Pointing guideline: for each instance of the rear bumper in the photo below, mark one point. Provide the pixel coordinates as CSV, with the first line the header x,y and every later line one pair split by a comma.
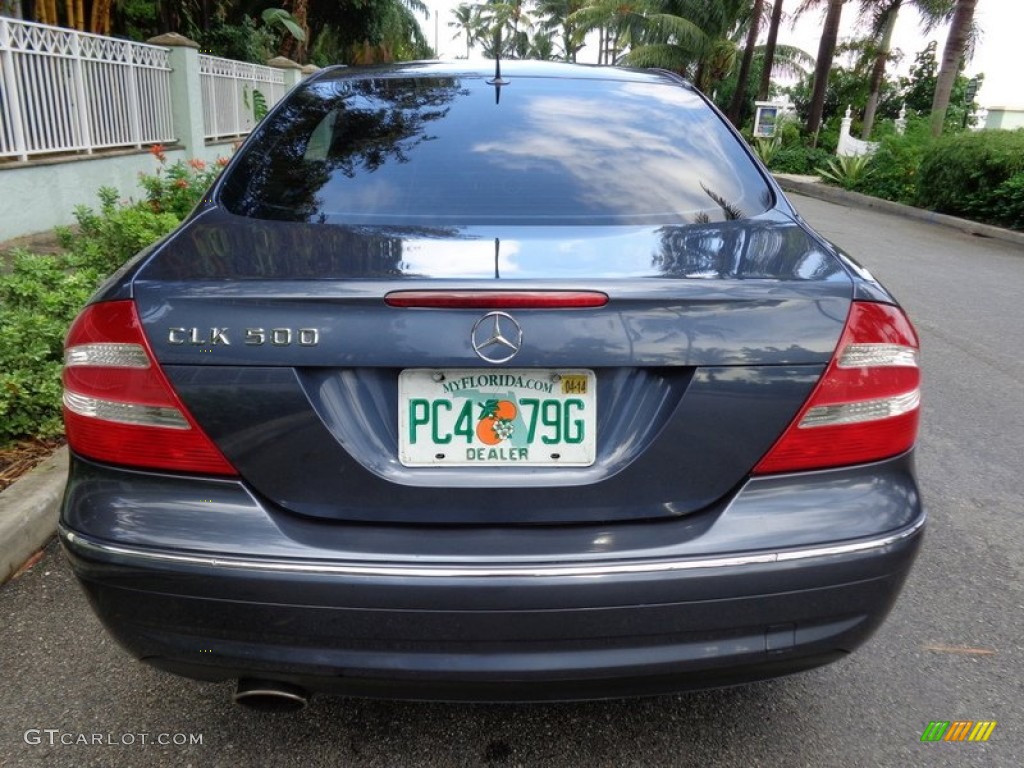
x,y
491,623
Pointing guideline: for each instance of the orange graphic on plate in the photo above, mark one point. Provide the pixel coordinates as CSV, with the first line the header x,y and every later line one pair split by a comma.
x,y
495,422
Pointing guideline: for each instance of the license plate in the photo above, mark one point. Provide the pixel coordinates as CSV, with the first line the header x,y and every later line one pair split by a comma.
x,y
481,417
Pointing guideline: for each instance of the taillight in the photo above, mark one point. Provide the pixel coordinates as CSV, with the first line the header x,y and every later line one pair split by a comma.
x,y
118,405
867,404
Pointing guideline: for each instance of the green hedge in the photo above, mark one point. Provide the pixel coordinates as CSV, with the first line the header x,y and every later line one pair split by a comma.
x,y
40,295
894,169
979,176
800,160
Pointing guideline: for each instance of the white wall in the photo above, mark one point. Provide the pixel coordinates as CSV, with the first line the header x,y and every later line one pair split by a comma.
x,y
41,194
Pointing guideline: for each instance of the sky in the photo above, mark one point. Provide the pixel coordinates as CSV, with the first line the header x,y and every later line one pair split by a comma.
x,y
998,54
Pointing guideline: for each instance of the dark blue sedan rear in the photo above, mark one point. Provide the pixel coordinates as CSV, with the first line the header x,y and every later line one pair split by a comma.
x,y
465,388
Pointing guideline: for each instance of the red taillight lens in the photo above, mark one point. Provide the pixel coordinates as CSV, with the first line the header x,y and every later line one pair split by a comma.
x,y
118,405
867,404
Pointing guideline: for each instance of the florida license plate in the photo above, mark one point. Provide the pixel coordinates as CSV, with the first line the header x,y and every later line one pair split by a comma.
x,y
481,417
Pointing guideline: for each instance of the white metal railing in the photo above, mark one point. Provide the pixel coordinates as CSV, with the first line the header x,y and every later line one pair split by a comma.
x,y
63,91
231,92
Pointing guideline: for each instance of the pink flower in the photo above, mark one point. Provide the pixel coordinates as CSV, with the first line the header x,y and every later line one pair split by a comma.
x,y
181,184
197,164
157,151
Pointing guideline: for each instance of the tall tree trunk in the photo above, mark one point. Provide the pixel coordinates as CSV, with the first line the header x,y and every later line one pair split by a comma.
x,y
878,71
952,58
826,50
769,51
735,113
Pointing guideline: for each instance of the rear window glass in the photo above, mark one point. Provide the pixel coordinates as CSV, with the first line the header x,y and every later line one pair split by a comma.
x,y
454,151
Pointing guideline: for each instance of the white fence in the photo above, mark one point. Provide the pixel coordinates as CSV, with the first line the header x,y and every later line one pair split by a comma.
x,y
848,145
65,91
232,93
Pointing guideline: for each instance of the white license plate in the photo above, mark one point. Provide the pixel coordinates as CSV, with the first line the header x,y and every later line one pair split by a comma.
x,y
483,417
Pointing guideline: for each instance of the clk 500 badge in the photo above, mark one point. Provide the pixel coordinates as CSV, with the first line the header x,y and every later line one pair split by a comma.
x,y
253,337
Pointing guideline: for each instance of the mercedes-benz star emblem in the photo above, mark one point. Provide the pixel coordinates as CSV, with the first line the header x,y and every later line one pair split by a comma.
x,y
496,337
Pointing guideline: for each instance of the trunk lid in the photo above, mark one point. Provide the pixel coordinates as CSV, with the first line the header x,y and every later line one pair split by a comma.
x,y
277,337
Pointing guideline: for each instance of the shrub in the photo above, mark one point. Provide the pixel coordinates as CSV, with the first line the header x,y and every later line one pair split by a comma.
x,y
1008,205
40,295
787,130
107,239
895,165
766,149
965,175
178,188
846,170
801,160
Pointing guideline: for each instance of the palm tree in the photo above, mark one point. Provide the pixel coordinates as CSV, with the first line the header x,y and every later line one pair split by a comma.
x,y
692,37
466,22
619,24
952,58
735,112
769,51
826,50
556,15
542,46
883,22
504,23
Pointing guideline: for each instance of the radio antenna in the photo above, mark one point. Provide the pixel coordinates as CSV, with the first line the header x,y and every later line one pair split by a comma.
x,y
497,80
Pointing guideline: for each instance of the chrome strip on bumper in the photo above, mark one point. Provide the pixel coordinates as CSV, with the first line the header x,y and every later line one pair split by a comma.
x,y
85,544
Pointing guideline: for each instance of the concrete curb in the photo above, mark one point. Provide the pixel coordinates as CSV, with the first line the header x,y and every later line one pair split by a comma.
x,y
28,512
802,186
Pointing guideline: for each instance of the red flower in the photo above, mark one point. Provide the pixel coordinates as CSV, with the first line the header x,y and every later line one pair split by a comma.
x,y
197,164
181,184
222,161
157,151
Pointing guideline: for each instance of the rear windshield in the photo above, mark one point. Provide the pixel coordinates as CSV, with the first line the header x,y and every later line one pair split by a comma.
x,y
459,151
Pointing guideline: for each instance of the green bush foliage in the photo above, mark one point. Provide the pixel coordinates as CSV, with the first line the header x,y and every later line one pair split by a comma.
x,y
108,238
800,160
894,166
971,174
766,149
41,294
846,170
1007,208
178,187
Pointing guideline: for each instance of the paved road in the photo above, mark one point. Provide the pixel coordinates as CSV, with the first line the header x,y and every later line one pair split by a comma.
x,y
60,671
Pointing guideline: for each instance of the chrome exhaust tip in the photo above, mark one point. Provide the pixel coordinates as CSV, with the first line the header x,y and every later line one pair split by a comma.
x,y
270,695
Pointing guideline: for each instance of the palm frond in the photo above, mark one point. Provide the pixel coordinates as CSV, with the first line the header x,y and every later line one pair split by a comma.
x,y
790,61
681,31
659,56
